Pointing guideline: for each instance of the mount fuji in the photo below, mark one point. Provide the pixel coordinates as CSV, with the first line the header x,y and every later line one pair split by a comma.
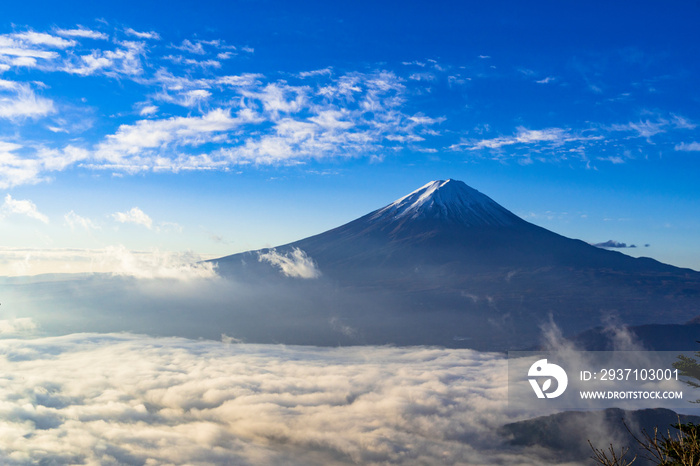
x,y
447,265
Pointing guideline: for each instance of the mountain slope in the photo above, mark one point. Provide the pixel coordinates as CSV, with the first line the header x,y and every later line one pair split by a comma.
x,y
449,221
471,273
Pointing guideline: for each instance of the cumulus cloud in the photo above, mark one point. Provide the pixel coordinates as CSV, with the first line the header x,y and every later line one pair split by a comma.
x,y
22,207
294,263
134,215
126,399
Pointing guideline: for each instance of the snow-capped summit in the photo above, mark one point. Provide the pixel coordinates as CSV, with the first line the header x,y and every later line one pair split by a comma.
x,y
448,200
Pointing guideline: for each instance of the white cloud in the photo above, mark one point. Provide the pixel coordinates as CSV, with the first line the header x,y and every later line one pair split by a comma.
x,y
244,119
682,122
100,399
422,77
348,117
615,160
175,83
688,146
523,136
322,72
294,263
14,169
42,38
134,215
280,98
194,97
82,33
202,63
22,207
30,49
57,129
7,147
74,220
143,34
14,45
89,64
56,160
18,101
243,80
138,147
648,128
148,110
645,129
546,80
20,326
191,47
17,168
25,53
125,60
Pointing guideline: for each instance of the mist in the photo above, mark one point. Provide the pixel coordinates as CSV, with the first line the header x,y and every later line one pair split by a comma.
x,y
267,309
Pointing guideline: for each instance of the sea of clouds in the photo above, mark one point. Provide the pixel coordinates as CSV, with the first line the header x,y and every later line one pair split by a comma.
x,y
77,386
102,399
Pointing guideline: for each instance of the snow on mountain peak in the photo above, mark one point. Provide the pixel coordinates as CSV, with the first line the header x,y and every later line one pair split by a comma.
x,y
448,200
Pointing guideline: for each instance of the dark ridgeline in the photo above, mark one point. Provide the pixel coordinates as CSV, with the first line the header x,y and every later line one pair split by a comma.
x,y
563,437
447,265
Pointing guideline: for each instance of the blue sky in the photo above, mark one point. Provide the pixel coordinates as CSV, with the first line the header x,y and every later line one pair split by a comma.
x,y
173,131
